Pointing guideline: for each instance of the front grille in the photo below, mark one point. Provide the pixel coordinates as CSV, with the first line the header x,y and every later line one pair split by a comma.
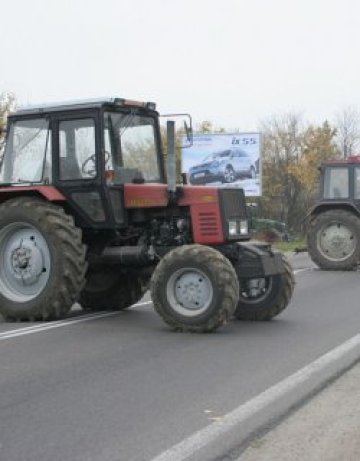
x,y
233,204
233,208
208,224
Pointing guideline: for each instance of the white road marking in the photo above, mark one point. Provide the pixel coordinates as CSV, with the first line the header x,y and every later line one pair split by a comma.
x,y
200,439
60,323
304,269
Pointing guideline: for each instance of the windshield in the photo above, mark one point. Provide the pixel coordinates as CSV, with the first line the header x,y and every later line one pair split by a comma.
x,y
27,156
336,182
130,142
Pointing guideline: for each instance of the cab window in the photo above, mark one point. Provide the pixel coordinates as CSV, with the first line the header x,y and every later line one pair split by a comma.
x,y
27,156
77,149
357,183
336,183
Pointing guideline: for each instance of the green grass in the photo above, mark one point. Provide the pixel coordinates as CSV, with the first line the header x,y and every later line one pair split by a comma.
x,y
290,246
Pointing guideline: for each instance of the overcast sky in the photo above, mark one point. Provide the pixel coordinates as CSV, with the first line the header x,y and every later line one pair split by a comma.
x,y
234,62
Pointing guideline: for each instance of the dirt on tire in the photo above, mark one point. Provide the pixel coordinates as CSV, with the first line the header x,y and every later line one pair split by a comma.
x,y
276,297
67,259
221,275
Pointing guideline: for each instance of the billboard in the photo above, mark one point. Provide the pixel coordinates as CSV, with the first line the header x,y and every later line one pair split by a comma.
x,y
225,160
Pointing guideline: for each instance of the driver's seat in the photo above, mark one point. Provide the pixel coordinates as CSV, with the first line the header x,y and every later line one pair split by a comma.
x,y
69,168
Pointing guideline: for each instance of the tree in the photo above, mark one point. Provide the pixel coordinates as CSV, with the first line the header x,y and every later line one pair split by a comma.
x,y
282,144
348,131
318,145
292,154
7,104
208,127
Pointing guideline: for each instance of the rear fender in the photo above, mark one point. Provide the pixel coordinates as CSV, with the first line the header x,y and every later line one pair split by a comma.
x,y
49,193
333,205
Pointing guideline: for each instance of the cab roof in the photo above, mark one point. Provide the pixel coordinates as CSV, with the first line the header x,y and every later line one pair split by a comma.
x,y
351,160
83,104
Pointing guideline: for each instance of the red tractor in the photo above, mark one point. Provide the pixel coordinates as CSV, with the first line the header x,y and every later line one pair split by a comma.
x,y
333,233
86,215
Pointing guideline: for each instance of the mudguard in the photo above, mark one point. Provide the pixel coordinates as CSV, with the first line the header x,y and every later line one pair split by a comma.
x,y
257,260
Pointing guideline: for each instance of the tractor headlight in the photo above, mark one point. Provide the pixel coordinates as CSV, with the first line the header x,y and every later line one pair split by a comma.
x,y
232,228
244,228
238,227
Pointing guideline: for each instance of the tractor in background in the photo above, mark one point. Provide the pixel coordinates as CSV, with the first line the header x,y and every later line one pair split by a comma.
x,y
333,231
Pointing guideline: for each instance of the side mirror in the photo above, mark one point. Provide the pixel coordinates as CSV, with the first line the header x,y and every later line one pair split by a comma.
x,y
187,129
189,132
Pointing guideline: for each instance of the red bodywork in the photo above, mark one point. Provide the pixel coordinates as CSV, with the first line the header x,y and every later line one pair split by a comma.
x,y
49,192
352,159
203,203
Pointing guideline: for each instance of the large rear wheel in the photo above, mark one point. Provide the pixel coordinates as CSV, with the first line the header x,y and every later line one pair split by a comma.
x,y
107,289
334,240
194,288
42,260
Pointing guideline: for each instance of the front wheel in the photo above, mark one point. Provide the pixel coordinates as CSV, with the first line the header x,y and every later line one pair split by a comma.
x,y
264,298
194,288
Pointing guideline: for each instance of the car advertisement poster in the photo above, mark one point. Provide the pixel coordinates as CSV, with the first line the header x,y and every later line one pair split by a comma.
x,y
224,160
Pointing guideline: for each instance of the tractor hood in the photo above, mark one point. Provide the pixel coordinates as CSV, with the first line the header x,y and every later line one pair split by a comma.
x,y
157,195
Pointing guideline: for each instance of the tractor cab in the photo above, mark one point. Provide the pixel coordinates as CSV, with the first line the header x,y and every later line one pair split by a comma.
x,y
88,150
333,231
340,179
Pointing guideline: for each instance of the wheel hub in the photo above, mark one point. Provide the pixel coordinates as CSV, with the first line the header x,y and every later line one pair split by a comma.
x,y
189,292
24,262
255,290
337,241
27,262
256,287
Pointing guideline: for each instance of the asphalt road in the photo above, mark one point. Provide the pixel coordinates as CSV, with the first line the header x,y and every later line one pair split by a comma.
x,y
125,388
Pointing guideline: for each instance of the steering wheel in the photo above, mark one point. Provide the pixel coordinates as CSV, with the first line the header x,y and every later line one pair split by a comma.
x,y
90,170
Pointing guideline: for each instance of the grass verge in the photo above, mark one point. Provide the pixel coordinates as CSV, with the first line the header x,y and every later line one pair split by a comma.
x,y
294,245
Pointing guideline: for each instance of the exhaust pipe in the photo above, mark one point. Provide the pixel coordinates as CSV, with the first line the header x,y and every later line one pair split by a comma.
x,y
171,158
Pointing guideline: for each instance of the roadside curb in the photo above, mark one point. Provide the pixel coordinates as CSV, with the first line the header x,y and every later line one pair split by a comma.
x,y
222,439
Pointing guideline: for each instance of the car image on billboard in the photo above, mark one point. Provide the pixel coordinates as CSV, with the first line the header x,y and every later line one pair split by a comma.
x,y
224,160
226,166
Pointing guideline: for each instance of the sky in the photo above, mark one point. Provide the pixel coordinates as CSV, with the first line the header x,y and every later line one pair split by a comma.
x,y
233,62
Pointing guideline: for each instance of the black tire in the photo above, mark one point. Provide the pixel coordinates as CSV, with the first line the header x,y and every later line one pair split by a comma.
x,y
333,239
229,175
269,297
206,284
42,260
107,289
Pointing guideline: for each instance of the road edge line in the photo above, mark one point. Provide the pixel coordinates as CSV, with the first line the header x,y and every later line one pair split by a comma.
x,y
247,420
14,333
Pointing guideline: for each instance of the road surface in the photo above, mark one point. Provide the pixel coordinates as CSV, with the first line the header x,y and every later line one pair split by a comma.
x,y
124,387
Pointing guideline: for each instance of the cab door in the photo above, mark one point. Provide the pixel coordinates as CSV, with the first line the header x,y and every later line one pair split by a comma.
x,y
78,167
